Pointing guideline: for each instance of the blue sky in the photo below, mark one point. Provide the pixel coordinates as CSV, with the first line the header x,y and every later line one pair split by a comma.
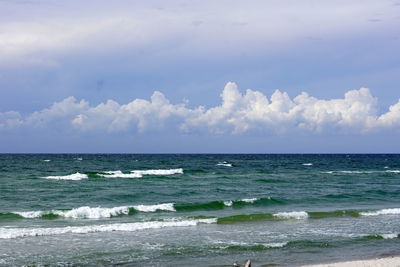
x,y
173,76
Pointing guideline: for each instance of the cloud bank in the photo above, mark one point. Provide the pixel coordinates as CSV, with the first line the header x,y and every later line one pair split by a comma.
x,y
39,32
238,113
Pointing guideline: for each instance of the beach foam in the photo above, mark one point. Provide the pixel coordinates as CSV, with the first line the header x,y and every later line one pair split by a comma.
x,y
76,176
8,233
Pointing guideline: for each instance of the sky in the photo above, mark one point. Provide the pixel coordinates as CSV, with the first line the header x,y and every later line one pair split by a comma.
x,y
228,76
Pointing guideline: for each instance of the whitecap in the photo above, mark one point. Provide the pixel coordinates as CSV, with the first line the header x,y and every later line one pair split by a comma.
x,y
249,200
224,163
154,208
119,174
46,160
351,172
92,212
158,172
390,236
75,176
299,215
395,211
228,203
307,164
30,214
276,245
8,233
87,212
393,171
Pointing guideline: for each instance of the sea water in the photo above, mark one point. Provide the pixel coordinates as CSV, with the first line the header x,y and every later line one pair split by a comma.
x,y
197,210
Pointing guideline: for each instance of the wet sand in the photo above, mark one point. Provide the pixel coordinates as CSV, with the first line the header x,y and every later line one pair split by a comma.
x,y
380,262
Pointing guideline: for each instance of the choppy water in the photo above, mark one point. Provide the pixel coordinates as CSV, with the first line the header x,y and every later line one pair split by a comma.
x,y
201,210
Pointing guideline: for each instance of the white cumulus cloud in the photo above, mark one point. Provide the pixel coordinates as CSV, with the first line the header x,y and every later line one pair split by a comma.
x,y
238,113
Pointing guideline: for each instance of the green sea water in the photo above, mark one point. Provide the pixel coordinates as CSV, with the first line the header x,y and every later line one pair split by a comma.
x,y
197,210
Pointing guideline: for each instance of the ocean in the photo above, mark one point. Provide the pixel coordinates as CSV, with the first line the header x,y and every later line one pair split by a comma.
x,y
197,210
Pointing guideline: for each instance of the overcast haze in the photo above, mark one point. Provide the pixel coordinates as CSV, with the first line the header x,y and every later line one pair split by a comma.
x,y
200,76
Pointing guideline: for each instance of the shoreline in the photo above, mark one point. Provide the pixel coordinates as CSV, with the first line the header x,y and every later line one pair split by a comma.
x,y
390,261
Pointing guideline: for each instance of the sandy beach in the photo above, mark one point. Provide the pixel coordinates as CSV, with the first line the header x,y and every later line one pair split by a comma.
x,y
380,262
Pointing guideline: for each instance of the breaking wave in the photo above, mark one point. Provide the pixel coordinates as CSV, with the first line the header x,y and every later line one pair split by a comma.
x,y
140,173
117,174
224,163
76,176
395,211
87,212
298,215
217,205
8,233
302,215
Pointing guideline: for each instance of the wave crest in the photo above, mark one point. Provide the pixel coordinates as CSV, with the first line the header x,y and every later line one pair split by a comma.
x,y
76,176
9,233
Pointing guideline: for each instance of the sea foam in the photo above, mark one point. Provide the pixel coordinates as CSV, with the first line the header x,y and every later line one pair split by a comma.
x,y
8,233
224,163
381,212
229,203
119,174
154,208
76,176
140,173
159,172
390,236
299,215
87,212
92,212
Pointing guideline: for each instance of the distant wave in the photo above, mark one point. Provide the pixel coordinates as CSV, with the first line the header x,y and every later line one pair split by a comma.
x,y
76,176
140,173
393,171
117,174
361,172
9,233
224,163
